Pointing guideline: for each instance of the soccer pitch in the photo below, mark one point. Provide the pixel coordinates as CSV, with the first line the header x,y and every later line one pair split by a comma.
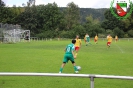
x,y
46,57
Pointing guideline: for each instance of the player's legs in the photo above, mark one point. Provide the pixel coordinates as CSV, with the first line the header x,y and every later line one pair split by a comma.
x,y
95,41
74,64
76,49
108,44
62,66
75,68
65,60
87,42
116,40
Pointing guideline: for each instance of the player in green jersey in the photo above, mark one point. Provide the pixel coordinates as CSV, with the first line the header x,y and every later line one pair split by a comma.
x,y
69,55
87,38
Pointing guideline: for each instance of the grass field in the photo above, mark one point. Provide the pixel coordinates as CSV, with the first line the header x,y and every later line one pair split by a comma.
x,y
46,57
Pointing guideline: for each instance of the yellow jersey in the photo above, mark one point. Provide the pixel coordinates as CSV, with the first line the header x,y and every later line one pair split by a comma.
x,y
109,38
96,37
116,37
78,42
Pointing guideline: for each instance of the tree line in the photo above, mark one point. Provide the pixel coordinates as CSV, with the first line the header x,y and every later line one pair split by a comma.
x,y
50,21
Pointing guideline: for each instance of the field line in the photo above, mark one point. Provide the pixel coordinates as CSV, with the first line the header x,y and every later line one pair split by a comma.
x,y
119,48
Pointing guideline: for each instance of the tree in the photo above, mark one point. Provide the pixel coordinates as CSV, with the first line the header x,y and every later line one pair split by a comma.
x,y
42,19
2,4
52,17
28,18
3,12
111,21
72,15
118,32
78,30
130,33
92,26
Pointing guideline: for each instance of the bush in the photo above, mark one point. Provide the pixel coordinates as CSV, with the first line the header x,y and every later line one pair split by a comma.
x,y
109,32
126,35
64,34
102,35
47,34
130,33
78,30
118,32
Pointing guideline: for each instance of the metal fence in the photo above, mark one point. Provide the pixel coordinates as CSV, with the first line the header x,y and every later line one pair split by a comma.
x,y
91,76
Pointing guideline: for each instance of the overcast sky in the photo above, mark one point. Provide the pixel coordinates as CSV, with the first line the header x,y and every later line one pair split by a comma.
x,y
63,3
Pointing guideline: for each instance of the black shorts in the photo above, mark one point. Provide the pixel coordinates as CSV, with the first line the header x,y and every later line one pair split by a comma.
x,y
27,38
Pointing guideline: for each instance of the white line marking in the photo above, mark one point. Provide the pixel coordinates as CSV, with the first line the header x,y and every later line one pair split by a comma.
x,y
120,48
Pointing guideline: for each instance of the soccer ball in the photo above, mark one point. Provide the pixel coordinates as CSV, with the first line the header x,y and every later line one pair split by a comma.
x,y
78,67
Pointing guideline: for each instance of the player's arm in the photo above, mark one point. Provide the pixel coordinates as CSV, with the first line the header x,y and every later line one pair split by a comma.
x,y
73,54
80,42
73,48
85,37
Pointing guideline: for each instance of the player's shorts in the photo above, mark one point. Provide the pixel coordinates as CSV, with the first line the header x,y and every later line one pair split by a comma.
x,y
88,40
95,40
68,57
27,38
76,48
116,39
108,43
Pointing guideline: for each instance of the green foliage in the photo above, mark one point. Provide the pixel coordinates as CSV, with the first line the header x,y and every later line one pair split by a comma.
x,y
9,14
102,35
79,30
97,13
72,15
111,21
118,32
64,34
2,4
128,23
108,31
119,27
92,26
126,35
47,34
70,20
130,33
51,17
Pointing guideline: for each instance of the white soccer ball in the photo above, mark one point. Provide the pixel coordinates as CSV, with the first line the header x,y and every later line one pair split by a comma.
x,y
78,67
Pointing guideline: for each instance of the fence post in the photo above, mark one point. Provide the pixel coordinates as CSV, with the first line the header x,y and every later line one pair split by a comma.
x,y
91,81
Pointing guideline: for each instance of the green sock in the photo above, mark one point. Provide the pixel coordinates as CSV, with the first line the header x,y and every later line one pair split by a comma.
x,y
75,68
61,69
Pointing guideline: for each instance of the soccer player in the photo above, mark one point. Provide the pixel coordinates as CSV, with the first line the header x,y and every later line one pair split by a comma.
x,y
27,37
109,38
87,39
96,39
77,44
69,55
116,38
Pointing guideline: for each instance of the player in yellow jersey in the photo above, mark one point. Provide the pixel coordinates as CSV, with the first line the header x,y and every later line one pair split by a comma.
x,y
109,38
77,44
116,38
96,39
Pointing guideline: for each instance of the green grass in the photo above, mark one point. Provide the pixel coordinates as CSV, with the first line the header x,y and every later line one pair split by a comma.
x,y
46,57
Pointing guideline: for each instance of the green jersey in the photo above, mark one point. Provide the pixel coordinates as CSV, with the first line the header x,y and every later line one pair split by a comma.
x,y
87,38
70,48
